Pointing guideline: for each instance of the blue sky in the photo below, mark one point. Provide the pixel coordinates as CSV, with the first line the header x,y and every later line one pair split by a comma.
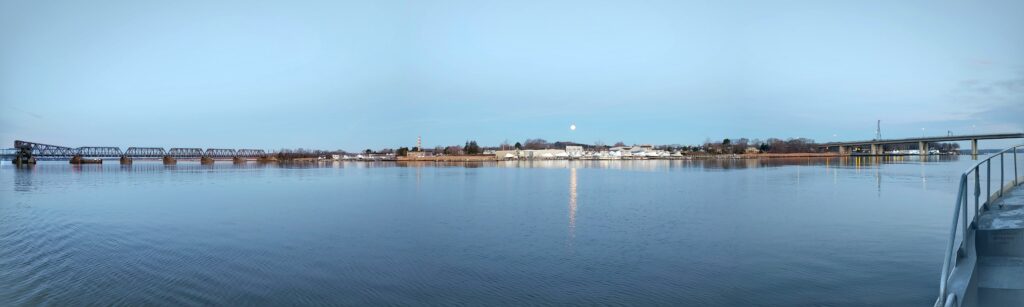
x,y
373,74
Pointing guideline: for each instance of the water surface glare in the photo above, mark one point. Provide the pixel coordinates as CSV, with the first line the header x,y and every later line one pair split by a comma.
x,y
695,233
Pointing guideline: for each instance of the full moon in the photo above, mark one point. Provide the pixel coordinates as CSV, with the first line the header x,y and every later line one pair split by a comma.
x,y
572,127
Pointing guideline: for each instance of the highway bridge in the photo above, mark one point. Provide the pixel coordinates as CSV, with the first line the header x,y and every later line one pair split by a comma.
x,y
877,147
29,152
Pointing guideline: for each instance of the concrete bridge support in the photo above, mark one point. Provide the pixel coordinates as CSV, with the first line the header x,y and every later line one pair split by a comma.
x,y
169,160
206,161
238,160
842,150
876,149
126,160
974,149
922,148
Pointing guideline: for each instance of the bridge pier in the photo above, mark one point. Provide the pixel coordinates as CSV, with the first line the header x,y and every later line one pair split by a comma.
x,y
922,148
876,149
23,159
169,160
125,160
974,149
842,150
206,160
78,159
238,160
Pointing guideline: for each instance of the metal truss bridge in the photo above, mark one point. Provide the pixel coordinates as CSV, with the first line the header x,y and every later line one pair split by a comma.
x,y
25,151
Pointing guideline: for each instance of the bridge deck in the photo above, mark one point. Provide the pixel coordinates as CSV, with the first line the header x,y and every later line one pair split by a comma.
x,y
930,139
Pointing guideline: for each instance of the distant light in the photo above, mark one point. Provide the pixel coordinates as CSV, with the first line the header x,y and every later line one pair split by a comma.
x,y
572,127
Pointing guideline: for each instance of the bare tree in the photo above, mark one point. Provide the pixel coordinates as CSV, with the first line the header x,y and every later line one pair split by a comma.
x,y
536,144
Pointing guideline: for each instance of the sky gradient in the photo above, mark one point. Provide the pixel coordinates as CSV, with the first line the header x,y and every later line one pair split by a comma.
x,y
374,74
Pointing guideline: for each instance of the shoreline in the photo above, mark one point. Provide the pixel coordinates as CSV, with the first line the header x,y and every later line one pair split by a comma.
x,y
490,158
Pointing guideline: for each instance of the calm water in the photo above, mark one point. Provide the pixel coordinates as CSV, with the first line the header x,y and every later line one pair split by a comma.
x,y
714,233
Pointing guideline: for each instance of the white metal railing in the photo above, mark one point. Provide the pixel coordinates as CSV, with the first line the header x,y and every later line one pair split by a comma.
x,y
963,222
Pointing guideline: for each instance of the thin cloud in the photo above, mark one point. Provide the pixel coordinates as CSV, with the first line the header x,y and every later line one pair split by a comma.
x,y
37,116
1011,86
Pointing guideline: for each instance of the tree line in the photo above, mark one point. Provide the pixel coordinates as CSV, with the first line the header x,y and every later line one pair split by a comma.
x,y
725,146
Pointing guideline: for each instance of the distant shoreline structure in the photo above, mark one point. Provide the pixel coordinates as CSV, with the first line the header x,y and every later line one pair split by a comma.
x,y
492,158
473,158
530,149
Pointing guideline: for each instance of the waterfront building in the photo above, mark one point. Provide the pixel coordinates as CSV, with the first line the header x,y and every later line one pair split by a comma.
x,y
530,154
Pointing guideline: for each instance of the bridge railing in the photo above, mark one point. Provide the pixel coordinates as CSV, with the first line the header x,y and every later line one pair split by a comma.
x,y
8,153
962,222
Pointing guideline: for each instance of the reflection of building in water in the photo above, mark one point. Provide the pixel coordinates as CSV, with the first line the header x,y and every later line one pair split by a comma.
x,y
572,202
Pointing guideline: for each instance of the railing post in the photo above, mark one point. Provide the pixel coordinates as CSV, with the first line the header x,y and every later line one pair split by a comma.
x,y
963,182
977,189
1015,166
952,240
1002,167
988,182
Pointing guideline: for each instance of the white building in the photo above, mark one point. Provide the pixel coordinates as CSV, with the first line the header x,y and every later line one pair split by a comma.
x,y
530,154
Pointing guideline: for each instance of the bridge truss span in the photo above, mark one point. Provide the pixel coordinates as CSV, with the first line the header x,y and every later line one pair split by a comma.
x,y
185,153
145,152
44,150
99,152
251,153
219,153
